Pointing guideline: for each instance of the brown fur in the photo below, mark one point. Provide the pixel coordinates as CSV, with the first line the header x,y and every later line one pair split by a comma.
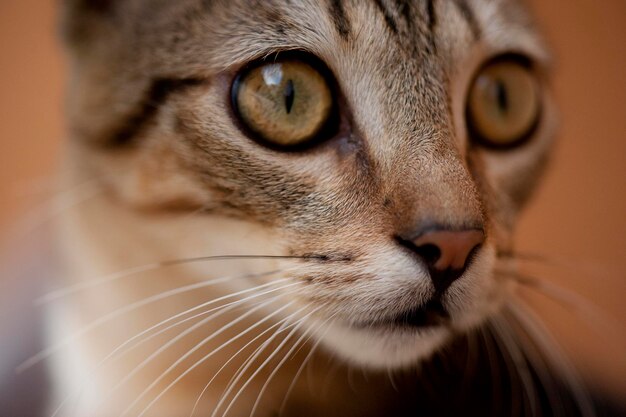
x,y
401,160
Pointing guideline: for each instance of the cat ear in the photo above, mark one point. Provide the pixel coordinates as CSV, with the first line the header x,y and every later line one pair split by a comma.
x,y
82,20
93,6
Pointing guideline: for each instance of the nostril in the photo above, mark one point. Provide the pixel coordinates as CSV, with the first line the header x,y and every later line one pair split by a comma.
x,y
429,252
454,246
445,252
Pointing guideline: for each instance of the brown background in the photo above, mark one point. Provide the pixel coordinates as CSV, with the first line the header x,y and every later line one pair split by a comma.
x,y
578,218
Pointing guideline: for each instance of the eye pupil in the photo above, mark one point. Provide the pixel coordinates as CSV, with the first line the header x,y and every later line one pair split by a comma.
x,y
290,95
502,96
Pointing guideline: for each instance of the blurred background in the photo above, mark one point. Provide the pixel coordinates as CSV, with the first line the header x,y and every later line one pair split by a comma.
x,y
578,218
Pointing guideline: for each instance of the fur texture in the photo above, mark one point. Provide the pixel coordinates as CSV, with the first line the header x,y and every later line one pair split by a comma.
x,y
153,131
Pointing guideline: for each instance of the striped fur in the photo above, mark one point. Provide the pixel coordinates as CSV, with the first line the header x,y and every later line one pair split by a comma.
x,y
151,122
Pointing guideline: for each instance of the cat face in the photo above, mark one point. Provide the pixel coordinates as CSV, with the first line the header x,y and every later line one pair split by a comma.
x,y
390,143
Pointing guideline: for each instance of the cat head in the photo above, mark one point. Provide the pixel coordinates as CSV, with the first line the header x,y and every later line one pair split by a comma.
x,y
391,144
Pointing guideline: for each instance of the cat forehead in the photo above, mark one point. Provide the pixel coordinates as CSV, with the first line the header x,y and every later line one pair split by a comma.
x,y
411,26
212,35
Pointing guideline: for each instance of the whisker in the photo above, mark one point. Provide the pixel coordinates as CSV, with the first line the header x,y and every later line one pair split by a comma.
x,y
515,406
282,362
303,365
195,348
64,201
206,387
575,265
589,312
40,186
120,347
535,328
493,362
391,380
246,365
107,279
332,367
35,359
180,336
540,367
261,367
520,366
471,358
203,313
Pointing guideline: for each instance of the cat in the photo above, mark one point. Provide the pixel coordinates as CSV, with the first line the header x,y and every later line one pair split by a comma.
x,y
299,208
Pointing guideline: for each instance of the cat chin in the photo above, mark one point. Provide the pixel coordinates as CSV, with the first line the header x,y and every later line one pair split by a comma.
x,y
384,348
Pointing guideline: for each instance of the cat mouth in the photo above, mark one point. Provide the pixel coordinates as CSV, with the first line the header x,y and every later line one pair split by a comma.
x,y
431,314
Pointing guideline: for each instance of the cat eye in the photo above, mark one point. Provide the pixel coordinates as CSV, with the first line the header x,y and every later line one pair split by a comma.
x,y
284,103
504,103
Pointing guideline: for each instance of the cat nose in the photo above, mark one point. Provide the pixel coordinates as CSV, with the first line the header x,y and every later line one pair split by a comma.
x,y
446,252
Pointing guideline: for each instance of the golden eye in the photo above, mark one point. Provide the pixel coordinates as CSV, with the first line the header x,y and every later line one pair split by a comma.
x,y
286,103
504,104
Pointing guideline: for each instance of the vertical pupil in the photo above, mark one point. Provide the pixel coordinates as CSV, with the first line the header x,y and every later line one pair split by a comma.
x,y
290,95
501,96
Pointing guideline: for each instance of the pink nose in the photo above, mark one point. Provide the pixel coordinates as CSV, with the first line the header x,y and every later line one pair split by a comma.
x,y
445,249
445,252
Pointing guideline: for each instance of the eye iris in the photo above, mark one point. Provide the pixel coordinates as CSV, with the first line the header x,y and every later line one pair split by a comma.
x,y
503,106
284,103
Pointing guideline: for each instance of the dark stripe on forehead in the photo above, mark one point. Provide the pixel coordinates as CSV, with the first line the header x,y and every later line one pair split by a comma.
x,y
468,15
432,24
342,24
389,18
404,6
146,108
401,18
